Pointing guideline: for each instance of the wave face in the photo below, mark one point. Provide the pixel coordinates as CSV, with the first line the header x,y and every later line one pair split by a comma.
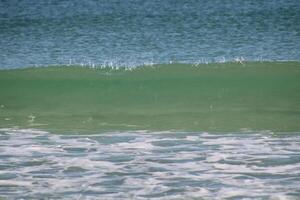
x,y
134,32
142,165
214,97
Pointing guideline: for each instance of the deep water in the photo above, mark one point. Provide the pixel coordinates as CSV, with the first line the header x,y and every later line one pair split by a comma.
x,y
136,32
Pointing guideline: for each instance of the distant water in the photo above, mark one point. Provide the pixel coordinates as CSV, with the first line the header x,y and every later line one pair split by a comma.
x,y
136,32
142,165
71,132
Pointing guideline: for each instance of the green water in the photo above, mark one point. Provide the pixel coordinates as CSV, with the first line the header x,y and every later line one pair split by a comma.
x,y
214,97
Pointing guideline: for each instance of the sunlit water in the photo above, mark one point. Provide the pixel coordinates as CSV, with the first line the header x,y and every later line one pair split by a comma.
x,y
144,165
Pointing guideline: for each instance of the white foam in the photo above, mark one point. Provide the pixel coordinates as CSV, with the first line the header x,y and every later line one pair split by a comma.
x,y
197,165
192,138
133,145
11,183
29,131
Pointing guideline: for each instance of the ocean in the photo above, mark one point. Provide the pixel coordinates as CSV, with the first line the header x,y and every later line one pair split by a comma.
x,y
136,32
134,99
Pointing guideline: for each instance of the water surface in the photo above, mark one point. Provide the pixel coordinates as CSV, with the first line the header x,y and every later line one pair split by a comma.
x,y
136,32
144,165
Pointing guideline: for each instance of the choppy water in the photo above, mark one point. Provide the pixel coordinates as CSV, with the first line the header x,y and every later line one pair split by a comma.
x,y
142,165
135,32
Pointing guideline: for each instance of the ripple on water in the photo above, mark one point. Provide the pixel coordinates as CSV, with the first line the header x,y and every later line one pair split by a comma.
x,y
142,165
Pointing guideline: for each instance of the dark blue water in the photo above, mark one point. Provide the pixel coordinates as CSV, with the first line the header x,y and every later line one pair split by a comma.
x,y
135,32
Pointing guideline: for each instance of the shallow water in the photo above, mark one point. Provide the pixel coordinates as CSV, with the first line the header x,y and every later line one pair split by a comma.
x,y
216,97
143,165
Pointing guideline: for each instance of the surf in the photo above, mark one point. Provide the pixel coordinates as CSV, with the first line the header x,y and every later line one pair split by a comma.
x,y
146,165
216,97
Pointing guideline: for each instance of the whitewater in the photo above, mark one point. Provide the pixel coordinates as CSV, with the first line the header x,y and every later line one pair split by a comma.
x,y
149,165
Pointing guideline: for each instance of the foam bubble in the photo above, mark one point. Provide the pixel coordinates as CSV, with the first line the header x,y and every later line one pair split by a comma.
x,y
145,165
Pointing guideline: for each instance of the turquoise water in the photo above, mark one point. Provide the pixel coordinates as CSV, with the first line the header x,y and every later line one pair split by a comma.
x,y
215,98
132,99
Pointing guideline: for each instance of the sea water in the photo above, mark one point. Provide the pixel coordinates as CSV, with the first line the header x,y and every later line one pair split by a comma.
x,y
133,99
145,165
137,32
